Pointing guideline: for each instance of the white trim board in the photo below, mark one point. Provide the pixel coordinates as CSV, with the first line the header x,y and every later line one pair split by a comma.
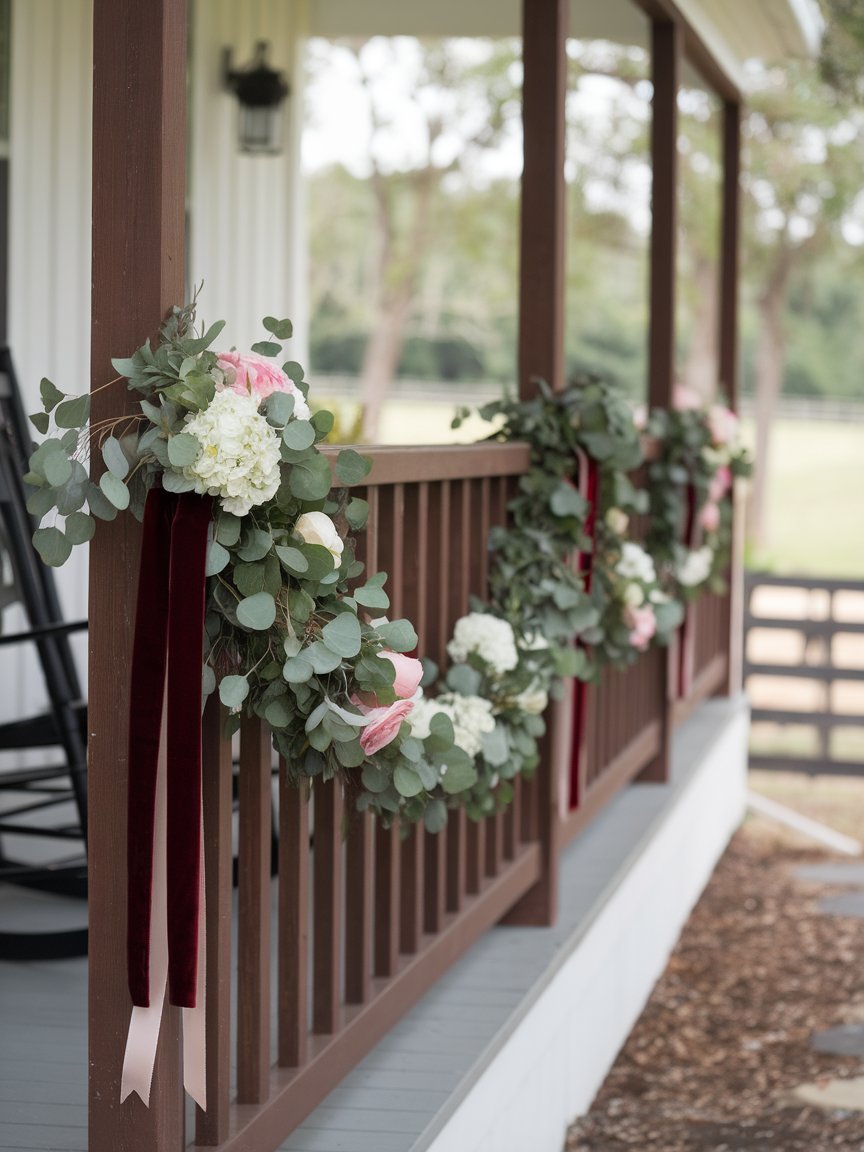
x,y
515,1040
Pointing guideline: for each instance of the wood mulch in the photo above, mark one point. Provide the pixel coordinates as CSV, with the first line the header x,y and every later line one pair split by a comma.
x,y
725,1034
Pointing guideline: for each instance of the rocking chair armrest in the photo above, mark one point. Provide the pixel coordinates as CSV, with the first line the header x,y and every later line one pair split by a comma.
x,y
61,629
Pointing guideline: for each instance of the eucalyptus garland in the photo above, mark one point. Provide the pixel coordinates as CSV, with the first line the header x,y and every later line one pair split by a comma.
x,y
689,488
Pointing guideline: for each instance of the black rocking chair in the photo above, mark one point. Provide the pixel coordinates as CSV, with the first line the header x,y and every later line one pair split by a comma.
x,y
43,806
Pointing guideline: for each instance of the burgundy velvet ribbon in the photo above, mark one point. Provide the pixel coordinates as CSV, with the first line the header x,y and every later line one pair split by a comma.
x,y
685,651
169,636
580,688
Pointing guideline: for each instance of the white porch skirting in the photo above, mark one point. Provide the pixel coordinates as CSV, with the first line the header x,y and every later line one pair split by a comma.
x,y
514,1042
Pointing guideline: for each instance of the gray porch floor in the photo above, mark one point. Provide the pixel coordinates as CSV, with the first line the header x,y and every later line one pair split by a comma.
x,y
400,1096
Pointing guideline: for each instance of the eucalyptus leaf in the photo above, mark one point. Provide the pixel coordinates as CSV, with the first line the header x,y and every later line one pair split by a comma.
x,y
41,421
297,670
52,546
51,395
177,482
342,634
217,558
310,479
257,612
115,458
293,371
57,469
292,560
322,658
407,782
280,408
435,816
73,413
183,449
298,435
233,690
459,776
266,348
281,329
398,635
115,490
357,513
351,467
40,502
79,528
228,529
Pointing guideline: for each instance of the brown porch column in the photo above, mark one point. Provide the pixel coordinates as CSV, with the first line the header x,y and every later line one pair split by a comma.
x,y
730,249
541,343
665,64
542,246
139,126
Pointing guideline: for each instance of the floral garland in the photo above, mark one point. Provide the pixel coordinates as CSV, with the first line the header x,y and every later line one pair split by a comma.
x,y
294,637
291,634
689,485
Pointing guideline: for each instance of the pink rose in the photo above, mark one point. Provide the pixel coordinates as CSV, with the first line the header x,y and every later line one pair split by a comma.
x,y
720,484
247,373
640,417
709,517
643,623
722,424
383,726
409,673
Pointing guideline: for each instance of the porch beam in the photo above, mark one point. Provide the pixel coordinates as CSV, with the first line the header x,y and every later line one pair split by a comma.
x,y
542,229
697,51
139,125
665,67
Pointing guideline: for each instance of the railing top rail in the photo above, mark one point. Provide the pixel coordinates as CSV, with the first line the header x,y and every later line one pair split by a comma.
x,y
810,583
414,464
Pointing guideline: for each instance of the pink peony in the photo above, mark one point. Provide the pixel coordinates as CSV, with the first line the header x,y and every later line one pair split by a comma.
x,y
643,623
709,517
409,673
722,424
720,484
383,726
247,373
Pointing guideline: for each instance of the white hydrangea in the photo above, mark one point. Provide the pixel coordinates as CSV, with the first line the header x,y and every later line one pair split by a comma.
x,y
490,638
694,567
420,718
239,456
636,564
472,719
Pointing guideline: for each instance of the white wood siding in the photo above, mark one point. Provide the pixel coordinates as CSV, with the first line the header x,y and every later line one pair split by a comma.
x,y
49,247
246,239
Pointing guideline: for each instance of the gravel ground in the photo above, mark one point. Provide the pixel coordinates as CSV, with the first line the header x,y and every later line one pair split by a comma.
x,y
724,1037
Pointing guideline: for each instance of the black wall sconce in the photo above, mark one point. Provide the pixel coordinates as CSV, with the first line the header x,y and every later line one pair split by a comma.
x,y
260,92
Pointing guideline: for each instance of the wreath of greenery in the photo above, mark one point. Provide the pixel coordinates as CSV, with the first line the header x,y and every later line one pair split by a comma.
x,y
689,486
295,636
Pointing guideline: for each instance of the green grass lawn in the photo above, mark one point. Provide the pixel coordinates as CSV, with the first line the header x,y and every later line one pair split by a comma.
x,y
815,495
815,500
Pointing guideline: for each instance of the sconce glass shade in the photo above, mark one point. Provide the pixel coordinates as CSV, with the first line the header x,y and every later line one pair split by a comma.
x,y
260,92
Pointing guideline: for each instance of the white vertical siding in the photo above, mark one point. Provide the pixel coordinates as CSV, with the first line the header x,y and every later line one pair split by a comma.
x,y
246,237
49,247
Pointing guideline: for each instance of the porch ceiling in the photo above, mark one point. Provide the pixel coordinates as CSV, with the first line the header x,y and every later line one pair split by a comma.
x,y
736,30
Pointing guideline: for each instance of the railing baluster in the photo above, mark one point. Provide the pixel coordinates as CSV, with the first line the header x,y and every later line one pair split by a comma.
x,y
359,897
416,569
387,899
211,1127
327,905
293,922
435,877
411,894
476,855
455,860
494,843
253,921
511,821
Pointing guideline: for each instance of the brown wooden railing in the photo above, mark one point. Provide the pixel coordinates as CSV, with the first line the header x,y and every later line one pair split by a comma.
x,y
366,921
363,919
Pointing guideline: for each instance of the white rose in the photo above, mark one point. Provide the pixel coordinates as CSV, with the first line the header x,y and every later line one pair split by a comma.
x,y
634,596
533,700
617,521
318,528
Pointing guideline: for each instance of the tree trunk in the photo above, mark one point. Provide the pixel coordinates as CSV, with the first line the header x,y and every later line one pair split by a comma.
x,y
701,368
399,271
770,361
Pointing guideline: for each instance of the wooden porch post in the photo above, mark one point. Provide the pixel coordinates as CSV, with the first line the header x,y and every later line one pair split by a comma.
x,y
730,248
139,127
665,64
541,340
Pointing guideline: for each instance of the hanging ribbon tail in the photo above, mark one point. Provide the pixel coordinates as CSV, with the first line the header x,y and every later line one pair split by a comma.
x,y
166,944
143,1037
686,654
195,1019
186,639
589,483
